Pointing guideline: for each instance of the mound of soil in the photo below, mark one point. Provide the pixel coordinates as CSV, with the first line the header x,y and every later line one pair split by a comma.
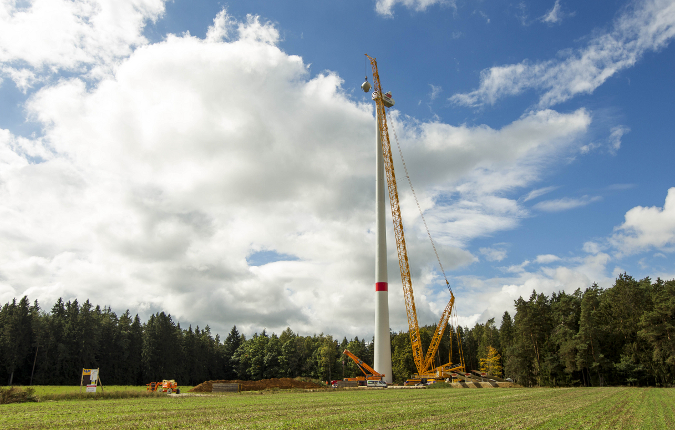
x,y
283,383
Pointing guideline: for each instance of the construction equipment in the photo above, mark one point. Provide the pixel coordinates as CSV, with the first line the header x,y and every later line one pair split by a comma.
x,y
168,386
369,373
423,363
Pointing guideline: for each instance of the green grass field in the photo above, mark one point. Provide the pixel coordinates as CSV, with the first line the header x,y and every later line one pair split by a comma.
x,y
592,408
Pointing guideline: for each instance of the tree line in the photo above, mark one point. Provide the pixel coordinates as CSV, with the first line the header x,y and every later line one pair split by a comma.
x,y
622,335
51,348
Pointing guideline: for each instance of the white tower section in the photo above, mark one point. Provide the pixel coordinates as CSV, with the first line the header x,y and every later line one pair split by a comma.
x,y
382,362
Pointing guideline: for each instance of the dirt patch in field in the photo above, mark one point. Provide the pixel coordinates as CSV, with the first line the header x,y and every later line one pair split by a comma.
x,y
264,384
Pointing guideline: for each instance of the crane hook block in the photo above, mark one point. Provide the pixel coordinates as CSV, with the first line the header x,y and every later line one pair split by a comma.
x,y
365,86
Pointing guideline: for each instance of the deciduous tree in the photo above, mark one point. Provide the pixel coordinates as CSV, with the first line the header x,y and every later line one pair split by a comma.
x,y
492,363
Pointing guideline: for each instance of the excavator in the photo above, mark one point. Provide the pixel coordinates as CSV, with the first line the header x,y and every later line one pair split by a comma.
x,y
426,372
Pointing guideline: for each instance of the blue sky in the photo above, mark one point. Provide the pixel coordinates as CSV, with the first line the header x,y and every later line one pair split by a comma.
x,y
215,159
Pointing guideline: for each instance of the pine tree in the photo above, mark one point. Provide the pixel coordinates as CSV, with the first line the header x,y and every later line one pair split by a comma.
x,y
135,359
522,364
566,310
489,338
589,356
162,358
628,356
657,327
272,354
506,336
15,335
230,346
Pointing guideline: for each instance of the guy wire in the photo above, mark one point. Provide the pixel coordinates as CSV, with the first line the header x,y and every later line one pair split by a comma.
x,y
407,175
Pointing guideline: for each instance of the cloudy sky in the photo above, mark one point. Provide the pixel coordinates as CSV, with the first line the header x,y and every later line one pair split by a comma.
x,y
215,159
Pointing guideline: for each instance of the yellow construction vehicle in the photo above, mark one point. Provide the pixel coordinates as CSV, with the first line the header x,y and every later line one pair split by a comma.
x,y
371,376
423,363
166,386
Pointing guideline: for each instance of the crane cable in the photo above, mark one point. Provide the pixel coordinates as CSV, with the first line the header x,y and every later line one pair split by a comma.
x,y
407,175
454,311
365,67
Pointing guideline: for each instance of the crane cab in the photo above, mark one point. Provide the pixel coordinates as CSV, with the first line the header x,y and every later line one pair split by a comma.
x,y
387,99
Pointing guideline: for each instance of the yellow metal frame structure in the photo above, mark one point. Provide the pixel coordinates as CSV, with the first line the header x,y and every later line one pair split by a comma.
x,y
422,363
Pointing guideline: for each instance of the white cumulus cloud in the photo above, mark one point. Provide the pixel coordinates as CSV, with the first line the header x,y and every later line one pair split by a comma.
x,y
42,37
223,26
646,227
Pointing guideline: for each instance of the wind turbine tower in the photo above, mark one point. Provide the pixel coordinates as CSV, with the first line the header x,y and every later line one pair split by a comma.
x,y
382,361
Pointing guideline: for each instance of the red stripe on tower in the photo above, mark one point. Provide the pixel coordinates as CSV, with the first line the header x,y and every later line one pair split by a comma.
x,y
381,286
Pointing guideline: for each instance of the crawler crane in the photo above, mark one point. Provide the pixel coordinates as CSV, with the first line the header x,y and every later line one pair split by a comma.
x,y
369,373
423,363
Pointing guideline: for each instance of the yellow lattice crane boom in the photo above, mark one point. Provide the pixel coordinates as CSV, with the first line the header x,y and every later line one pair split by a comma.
x,y
438,335
404,266
363,366
424,364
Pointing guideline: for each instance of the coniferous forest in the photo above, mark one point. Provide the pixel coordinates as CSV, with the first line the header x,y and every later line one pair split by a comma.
x,y
623,335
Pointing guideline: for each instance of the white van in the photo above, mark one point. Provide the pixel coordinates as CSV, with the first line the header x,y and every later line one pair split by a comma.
x,y
376,384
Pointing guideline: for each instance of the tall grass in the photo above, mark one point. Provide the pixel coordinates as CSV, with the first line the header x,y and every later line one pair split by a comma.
x,y
17,395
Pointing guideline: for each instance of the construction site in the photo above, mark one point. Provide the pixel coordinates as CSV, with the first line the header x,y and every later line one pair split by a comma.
x,y
380,375
424,362
391,214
